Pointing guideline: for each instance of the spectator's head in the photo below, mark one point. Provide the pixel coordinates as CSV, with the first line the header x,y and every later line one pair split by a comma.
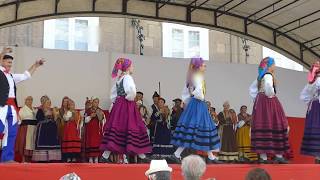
x,y
95,103
155,98
7,62
243,109
70,176
258,174
193,167
139,96
177,102
226,106
64,104
28,101
159,170
212,109
162,102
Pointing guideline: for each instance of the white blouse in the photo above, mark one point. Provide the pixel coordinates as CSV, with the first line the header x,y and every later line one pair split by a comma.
x,y
15,78
26,113
129,88
266,87
310,91
198,92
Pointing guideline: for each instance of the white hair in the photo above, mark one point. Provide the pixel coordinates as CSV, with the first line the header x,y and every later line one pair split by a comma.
x,y
193,167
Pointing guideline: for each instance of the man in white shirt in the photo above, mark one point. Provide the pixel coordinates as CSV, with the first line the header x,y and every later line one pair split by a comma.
x,y
8,103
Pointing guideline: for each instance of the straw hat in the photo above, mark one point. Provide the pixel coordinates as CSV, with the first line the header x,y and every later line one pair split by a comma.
x,y
158,165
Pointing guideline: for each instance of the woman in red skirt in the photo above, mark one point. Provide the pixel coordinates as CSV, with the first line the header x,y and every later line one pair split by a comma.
x,y
71,144
269,130
94,120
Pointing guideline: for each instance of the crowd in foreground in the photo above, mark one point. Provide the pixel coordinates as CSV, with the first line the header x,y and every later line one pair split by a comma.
x,y
193,167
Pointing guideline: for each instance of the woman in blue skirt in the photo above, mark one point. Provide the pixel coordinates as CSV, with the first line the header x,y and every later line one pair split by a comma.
x,y
195,129
310,94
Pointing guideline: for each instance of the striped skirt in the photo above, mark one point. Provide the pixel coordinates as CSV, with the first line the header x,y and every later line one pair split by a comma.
x,y
125,131
269,130
244,143
195,128
311,138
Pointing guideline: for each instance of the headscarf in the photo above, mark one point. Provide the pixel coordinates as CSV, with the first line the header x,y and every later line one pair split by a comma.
x,y
264,66
313,72
195,64
121,64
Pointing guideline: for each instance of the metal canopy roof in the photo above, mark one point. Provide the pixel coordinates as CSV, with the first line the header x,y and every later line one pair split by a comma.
x,y
290,27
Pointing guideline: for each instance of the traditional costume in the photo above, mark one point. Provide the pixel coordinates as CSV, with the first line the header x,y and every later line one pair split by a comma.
x,y
243,138
154,108
195,128
311,95
125,131
176,113
71,143
61,117
93,133
162,134
229,147
9,110
269,130
25,138
47,146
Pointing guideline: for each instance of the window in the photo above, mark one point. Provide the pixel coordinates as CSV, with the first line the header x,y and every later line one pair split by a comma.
x,y
61,40
177,43
282,61
181,41
78,33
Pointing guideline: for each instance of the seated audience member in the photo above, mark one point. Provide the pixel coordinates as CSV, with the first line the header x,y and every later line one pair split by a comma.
x,y
159,170
70,176
193,167
258,174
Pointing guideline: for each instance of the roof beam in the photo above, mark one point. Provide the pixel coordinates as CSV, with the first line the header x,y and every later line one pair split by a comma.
x,y
300,26
238,4
17,8
298,20
261,10
199,5
56,6
311,40
94,5
273,10
314,46
163,3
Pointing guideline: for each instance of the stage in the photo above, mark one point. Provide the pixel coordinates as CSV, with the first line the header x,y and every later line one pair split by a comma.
x,y
136,172
300,167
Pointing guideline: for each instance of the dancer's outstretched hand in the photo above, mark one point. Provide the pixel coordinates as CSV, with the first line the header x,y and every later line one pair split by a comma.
x,y
39,62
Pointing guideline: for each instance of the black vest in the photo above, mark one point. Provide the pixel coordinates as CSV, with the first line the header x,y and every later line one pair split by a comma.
x,y
4,89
